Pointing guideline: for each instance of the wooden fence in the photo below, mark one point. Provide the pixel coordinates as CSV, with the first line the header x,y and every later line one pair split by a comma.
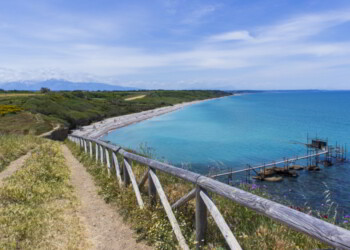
x,y
323,231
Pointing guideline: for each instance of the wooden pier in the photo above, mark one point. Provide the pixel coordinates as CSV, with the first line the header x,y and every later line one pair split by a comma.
x,y
286,161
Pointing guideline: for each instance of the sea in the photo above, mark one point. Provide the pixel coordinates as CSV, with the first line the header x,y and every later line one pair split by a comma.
x,y
235,132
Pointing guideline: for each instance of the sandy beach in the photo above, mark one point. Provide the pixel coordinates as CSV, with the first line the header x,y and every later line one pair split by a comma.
x,y
98,129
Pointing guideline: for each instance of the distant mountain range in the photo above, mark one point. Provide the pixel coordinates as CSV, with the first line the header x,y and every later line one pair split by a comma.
x,y
57,85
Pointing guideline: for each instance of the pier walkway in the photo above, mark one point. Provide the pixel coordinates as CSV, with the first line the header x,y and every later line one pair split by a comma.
x,y
271,164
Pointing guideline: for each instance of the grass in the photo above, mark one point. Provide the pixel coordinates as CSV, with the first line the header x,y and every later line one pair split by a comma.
x,y
78,108
25,123
253,231
18,94
37,205
13,146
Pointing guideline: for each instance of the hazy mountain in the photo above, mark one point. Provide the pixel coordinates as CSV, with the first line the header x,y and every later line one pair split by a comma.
x,y
56,85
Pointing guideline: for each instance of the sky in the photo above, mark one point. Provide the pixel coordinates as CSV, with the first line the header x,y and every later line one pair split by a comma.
x,y
178,44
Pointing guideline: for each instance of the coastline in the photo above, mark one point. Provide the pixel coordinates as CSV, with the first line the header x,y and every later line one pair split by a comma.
x,y
101,128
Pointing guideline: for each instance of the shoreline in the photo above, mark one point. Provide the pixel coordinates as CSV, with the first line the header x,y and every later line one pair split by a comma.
x,y
98,129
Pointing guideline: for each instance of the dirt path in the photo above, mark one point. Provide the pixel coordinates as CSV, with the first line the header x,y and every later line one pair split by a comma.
x,y
13,167
105,228
48,133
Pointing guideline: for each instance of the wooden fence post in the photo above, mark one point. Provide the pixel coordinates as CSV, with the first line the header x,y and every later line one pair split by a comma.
x,y
126,174
101,155
201,219
108,162
152,191
117,168
85,146
96,147
90,147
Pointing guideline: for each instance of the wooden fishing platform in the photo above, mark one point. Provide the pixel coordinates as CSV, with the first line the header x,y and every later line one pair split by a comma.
x,y
318,152
286,161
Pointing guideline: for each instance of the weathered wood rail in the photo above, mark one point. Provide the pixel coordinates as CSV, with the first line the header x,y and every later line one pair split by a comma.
x,y
323,231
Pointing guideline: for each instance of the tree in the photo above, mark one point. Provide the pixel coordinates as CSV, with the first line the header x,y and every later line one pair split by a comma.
x,y
44,90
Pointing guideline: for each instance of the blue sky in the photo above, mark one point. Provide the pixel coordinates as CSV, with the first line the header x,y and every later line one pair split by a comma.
x,y
176,44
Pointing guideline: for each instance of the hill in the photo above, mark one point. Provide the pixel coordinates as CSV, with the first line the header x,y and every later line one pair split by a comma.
x,y
61,85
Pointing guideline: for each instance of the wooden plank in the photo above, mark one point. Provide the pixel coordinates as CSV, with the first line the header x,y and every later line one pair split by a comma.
x,y
220,222
90,147
117,169
144,178
85,146
316,228
108,162
152,191
134,184
169,212
96,147
201,219
183,200
126,175
101,155
178,172
102,143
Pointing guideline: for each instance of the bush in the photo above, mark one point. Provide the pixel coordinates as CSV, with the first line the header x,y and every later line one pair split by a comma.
x,y
45,90
9,109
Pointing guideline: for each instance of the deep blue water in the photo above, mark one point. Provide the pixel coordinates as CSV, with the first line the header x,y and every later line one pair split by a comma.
x,y
231,132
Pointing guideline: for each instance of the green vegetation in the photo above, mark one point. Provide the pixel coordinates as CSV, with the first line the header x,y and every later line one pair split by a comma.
x,y
25,123
37,205
13,146
78,108
253,231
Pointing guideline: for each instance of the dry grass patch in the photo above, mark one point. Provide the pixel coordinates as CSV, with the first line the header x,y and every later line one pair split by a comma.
x,y
134,98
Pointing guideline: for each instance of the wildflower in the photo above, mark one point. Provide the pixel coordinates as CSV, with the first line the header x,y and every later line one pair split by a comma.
x,y
347,216
254,186
345,221
325,216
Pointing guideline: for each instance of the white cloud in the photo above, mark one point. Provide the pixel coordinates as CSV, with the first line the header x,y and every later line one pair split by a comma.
x,y
231,36
275,54
303,26
199,14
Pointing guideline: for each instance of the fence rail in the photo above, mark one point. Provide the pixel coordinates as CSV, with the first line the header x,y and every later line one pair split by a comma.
x,y
323,231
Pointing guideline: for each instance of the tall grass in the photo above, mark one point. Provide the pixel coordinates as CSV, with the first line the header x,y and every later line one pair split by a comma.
x,y
253,231
13,146
37,205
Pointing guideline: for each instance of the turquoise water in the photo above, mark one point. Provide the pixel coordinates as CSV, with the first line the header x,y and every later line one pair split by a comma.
x,y
231,132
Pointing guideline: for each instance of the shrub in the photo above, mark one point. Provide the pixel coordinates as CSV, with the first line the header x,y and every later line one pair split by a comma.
x,y
9,109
